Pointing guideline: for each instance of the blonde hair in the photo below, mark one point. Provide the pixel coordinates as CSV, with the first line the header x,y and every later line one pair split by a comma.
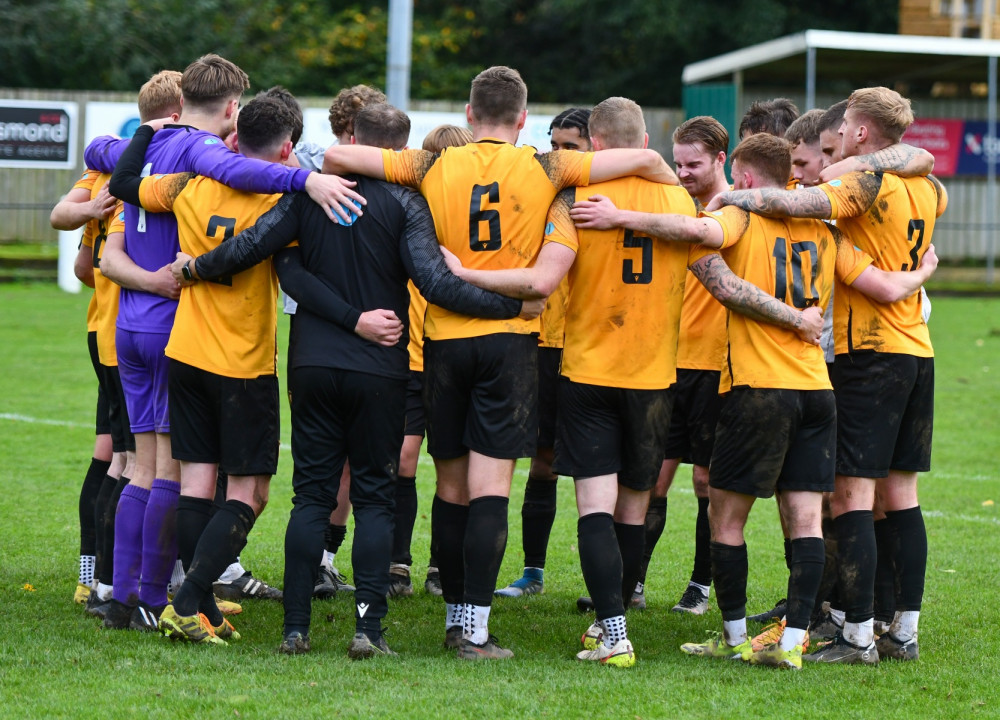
x,y
446,136
160,95
887,109
618,122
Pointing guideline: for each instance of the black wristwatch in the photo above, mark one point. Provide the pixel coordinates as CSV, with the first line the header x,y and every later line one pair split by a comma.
x,y
186,271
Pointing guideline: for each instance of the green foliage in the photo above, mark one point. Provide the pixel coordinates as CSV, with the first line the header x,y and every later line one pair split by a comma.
x,y
568,50
55,662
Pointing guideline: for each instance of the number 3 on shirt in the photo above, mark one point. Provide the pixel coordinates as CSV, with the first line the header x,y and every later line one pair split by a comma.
x,y
479,215
797,285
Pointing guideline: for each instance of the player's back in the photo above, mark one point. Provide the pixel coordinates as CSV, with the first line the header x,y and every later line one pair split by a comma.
x,y
792,259
489,200
896,231
625,293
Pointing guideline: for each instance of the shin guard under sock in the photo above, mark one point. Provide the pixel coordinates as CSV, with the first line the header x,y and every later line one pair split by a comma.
x,y
631,539
159,542
702,571
656,520
808,558
601,563
448,525
485,543
910,556
128,544
729,572
89,491
856,546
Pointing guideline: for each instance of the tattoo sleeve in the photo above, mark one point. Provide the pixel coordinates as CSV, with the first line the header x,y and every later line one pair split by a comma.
x,y
741,296
774,202
899,159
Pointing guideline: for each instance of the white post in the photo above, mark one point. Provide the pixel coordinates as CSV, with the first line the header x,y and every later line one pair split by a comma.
x,y
69,248
397,75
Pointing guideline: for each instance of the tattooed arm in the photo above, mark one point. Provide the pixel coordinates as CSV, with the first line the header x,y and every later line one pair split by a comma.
x,y
747,299
899,159
774,202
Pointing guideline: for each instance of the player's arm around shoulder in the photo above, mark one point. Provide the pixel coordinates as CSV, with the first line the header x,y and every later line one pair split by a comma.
x,y
899,159
598,212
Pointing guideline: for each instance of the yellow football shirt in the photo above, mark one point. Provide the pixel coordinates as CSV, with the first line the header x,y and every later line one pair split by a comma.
x,y
625,290
489,200
229,326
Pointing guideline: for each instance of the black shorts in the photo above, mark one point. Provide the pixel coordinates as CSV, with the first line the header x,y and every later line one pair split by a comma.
x,y
102,425
605,430
230,421
122,438
885,413
481,394
549,360
696,413
416,418
770,439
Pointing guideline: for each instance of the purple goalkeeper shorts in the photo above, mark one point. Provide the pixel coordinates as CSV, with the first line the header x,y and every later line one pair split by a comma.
x,y
143,369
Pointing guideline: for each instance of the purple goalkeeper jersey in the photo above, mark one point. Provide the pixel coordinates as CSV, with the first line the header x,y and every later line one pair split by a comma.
x,y
151,238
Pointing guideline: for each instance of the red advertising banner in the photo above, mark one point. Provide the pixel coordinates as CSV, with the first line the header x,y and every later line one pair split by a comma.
x,y
942,138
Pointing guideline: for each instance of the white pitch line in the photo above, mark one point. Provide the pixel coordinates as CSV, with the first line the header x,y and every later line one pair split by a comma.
x,y
41,421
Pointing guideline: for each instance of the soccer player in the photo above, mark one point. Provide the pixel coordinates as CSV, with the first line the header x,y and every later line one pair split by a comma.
x,y
768,116
807,156
883,373
405,510
349,394
211,88
489,200
89,203
223,381
538,512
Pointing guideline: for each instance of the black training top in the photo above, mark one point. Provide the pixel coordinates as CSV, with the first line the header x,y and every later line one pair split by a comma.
x,y
339,270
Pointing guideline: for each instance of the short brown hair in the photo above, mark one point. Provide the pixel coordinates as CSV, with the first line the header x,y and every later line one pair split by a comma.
x,y
348,103
833,118
618,122
768,116
709,132
887,109
806,129
446,136
382,126
769,155
160,95
498,96
211,80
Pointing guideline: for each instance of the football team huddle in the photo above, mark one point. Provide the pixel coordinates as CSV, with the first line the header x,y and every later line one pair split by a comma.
x,y
589,308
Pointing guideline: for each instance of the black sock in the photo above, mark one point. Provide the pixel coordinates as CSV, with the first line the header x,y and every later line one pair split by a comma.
x,y
601,562
102,573
729,571
92,483
193,515
911,556
221,541
108,574
631,539
808,558
828,585
404,515
788,554
656,520
702,571
448,524
884,599
485,543
537,515
335,535
856,547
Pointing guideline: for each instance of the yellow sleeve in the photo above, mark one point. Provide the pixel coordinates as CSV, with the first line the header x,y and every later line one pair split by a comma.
x,y
87,180
407,167
118,219
734,222
559,227
567,168
851,262
157,193
853,194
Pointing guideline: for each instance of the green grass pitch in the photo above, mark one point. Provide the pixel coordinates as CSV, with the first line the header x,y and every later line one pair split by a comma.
x,y
56,662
